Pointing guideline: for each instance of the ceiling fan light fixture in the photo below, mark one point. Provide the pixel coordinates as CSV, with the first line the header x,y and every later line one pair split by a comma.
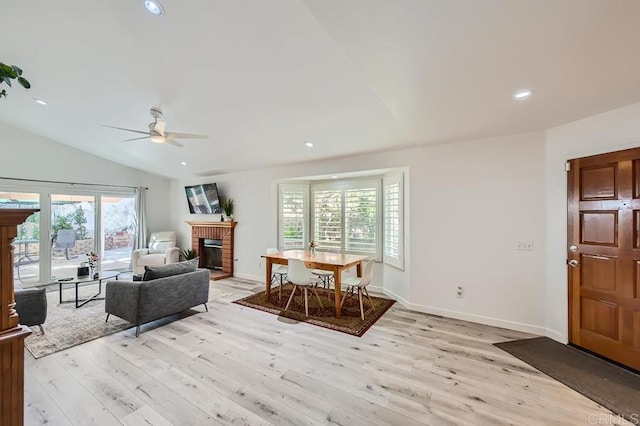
x,y
154,7
157,138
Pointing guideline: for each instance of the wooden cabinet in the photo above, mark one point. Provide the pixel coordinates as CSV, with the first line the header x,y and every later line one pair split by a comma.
x,y
12,334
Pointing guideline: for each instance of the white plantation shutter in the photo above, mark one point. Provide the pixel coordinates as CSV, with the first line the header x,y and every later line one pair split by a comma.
x,y
346,216
393,212
292,216
361,219
327,218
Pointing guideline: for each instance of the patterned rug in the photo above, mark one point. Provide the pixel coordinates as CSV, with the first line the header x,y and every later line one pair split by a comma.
x,y
67,326
350,322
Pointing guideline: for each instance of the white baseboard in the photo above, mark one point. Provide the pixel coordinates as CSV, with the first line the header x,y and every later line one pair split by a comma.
x,y
480,319
259,278
556,335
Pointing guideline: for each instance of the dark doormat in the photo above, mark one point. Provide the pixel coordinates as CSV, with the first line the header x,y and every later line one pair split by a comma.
x,y
350,322
607,384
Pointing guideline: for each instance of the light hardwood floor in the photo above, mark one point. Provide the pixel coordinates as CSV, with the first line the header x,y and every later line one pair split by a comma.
x,y
236,365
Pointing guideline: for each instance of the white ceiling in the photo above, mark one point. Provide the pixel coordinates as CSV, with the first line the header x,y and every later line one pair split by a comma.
x,y
262,77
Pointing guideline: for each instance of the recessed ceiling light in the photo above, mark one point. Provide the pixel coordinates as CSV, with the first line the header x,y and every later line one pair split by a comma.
x,y
40,102
522,94
334,177
184,163
154,7
309,144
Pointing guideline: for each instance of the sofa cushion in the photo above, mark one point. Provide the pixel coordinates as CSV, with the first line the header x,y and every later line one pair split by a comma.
x,y
155,272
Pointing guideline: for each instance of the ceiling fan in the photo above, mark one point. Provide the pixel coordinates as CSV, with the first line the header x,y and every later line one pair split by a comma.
x,y
157,131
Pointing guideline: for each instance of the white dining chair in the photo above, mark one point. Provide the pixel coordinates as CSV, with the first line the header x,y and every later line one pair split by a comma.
x,y
359,284
278,273
300,276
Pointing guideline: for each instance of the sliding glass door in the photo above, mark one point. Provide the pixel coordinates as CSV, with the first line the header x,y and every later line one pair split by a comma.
x,y
73,231
72,222
118,231
26,252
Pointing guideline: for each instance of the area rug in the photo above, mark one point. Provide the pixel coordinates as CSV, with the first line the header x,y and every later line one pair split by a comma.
x,y
67,326
607,384
350,322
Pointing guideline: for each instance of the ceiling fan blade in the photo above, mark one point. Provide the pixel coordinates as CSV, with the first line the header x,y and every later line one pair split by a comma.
x,y
185,135
128,130
160,126
173,142
135,139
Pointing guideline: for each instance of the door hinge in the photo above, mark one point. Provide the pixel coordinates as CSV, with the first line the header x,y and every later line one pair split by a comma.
x,y
567,166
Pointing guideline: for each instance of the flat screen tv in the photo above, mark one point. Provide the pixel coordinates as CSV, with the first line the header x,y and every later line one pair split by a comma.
x,y
203,199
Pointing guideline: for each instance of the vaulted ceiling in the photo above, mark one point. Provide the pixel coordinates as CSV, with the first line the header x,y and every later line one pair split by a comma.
x,y
261,78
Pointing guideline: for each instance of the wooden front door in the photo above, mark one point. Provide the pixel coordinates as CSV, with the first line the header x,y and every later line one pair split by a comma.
x,y
604,255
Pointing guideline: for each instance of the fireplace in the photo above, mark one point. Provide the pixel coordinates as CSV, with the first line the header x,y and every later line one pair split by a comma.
x,y
211,256
213,242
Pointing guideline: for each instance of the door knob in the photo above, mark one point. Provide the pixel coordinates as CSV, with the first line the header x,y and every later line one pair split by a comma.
x,y
574,263
573,249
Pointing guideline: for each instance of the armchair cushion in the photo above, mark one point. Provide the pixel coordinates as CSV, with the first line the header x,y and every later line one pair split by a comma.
x,y
161,251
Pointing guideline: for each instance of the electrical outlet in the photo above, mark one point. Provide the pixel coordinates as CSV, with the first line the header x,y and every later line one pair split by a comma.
x,y
460,291
524,245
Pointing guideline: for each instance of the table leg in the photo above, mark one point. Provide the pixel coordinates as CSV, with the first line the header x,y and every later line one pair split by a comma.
x,y
338,291
359,269
60,292
268,270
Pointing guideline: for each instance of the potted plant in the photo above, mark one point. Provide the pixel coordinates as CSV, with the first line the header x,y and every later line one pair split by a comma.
x,y
227,208
11,72
189,254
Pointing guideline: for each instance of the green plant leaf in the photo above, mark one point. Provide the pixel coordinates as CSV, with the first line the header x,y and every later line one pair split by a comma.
x,y
17,70
23,81
8,81
6,69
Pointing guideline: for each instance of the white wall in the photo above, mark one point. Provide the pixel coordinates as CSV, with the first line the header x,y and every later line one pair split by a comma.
x,y
611,131
468,204
29,156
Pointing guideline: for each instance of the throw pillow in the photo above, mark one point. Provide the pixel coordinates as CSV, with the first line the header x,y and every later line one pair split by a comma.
x,y
155,272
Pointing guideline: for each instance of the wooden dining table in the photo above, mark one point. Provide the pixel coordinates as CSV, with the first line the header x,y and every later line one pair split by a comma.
x,y
334,262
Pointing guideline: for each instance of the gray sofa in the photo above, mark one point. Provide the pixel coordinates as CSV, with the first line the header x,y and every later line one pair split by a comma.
x,y
157,295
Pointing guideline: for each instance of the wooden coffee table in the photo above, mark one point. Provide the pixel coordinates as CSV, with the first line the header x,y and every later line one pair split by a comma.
x,y
104,275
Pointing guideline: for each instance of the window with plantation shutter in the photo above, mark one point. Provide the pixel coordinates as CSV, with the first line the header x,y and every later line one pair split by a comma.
x,y
292,216
361,219
327,218
345,216
393,241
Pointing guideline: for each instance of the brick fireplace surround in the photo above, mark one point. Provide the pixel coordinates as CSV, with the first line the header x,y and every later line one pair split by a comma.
x,y
215,231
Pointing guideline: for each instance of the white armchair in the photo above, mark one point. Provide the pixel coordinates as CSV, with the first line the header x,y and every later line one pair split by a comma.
x,y
162,250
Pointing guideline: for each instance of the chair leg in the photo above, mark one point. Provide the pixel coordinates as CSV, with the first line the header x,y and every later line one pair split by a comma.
x,y
306,303
107,318
295,287
41,329
137,331
280,289
313,289
206,307
369,297
346,294
360,298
